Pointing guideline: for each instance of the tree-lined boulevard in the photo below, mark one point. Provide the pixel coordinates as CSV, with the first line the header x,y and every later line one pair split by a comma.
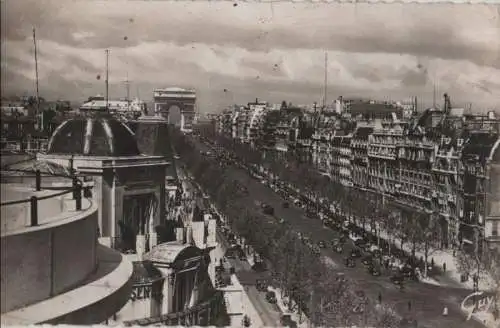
x,y
312,279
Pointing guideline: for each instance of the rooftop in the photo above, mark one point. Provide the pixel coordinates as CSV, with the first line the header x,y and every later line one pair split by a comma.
x,y
95,136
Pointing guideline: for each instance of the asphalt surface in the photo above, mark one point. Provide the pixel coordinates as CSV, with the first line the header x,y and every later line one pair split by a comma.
x,y
426,301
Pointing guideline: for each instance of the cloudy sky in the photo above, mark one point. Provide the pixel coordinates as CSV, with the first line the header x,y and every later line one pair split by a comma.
x,y
234,53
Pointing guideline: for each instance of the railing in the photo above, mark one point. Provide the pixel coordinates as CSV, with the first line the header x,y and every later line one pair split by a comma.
x,y
32,145
76,189
190,316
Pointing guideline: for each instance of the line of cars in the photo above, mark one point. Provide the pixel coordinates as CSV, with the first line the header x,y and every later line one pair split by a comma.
x,y
375,259
372,257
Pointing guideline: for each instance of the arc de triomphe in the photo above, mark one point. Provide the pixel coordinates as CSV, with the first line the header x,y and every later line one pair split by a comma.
x,y
185,99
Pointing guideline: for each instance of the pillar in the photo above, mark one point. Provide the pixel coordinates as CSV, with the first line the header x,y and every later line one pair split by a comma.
x,y
152,223
140,246
168,290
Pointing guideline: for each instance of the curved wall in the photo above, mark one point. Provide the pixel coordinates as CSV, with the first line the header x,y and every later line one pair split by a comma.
x,y
44,261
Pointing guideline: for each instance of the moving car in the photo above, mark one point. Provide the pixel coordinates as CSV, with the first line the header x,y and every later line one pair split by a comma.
x,y
271,297
321,244
267,209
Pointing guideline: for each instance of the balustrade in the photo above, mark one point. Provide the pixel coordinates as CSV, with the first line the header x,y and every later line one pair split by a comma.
x,y
76,189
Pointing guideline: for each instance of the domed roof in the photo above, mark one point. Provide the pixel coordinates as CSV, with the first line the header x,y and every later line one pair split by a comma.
x,y
93,136
169,252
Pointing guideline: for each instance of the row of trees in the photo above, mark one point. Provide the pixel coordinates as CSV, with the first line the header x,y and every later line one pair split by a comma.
x,y
372,211
300,274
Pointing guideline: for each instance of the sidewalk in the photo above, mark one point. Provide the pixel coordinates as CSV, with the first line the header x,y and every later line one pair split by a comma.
x,y
452,275
301,323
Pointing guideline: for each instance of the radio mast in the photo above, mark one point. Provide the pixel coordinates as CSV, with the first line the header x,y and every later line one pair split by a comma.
x,y
107,79
326,80
39,117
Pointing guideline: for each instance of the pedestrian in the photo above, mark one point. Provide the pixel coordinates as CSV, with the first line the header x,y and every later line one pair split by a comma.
x,y
380,297
445,311
444,267
432,262
409,305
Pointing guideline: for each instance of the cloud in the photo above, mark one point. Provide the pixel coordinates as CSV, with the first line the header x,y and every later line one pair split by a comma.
x,y
276,50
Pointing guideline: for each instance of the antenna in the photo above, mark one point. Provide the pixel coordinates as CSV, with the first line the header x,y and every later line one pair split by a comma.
x,y
434,96
326,79
107,78
127,85
36,83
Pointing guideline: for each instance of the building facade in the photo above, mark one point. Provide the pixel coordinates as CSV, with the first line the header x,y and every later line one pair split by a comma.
x,y
441,162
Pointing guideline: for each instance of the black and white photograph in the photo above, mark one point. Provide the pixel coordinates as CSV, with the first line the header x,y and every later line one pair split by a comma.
x,y
250,163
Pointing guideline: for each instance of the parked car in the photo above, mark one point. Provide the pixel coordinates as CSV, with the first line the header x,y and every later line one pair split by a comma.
x,y
374,270
356,253
349,262
286,205
268,209
261,285
321,244
259,266
286,321
397,279
408,272
360,242
338,248
316,250
367,260
271,297
230,256
341,276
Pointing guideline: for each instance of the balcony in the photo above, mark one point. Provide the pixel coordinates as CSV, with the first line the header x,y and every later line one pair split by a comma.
x,y
444,170
415,144
53,269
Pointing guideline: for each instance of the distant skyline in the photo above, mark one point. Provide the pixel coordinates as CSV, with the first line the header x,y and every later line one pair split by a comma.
x,y
271,51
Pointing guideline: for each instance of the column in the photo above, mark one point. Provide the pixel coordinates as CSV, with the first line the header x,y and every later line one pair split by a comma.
x,y
140,245
168,290
151,226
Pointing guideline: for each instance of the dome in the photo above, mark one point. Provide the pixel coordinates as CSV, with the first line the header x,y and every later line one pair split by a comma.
x,y
93,136
169,252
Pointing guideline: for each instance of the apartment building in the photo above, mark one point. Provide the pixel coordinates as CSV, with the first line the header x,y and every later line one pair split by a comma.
x,y
440,161
383,167
448,185
345,154
359,156
480,195
321,143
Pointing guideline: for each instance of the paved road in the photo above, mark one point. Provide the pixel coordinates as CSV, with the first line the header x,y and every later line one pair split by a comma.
x,y
427,301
